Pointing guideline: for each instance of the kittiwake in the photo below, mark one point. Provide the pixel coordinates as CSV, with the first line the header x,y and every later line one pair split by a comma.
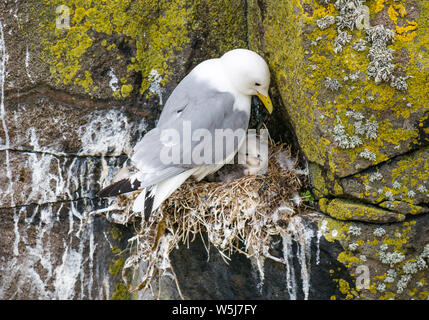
x,y
210,105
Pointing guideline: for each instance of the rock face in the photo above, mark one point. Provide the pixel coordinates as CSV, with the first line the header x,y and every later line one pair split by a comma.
x,y
365,136
327,259
351,75
81,82
307,273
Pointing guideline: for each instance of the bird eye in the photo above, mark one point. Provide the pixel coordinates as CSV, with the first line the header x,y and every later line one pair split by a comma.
x,y
257,84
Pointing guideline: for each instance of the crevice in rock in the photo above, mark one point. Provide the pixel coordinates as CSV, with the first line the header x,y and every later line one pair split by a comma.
x,y
32,204
63,154
74,100
388,161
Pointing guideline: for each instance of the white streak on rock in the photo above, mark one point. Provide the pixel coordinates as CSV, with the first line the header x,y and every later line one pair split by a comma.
x,y
3,61
113,83
27,64
155,84
302,235
67,273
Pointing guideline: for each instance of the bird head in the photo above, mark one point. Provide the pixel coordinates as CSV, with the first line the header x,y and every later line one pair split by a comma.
x,y
249,74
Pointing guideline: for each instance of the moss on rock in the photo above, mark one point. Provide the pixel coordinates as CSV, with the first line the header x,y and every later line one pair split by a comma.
x,y
133,37
345,119
350,210
392,259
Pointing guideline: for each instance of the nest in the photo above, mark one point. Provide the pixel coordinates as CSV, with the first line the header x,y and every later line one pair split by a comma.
x,y
238,216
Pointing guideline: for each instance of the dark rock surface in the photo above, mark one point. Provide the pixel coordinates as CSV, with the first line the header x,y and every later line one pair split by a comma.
x,y
203,276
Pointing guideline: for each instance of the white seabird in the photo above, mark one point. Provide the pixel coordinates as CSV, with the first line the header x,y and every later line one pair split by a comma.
x,y
214,97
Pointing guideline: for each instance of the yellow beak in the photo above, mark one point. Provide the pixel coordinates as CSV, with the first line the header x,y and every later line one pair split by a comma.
x,y
266,101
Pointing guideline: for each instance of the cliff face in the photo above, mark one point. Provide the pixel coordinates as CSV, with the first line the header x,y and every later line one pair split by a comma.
x,y
81,82
352,76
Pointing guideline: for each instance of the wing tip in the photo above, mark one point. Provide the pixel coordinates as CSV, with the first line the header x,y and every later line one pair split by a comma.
x,y
148,205
117,188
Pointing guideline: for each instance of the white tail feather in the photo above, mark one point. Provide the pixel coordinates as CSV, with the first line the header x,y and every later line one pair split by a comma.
x,y
165,188
138,205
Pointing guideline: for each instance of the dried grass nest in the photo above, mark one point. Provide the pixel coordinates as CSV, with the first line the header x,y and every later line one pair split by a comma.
x,y
238,216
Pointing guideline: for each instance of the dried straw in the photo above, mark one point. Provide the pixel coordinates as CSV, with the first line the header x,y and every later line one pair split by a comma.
x,y
238,216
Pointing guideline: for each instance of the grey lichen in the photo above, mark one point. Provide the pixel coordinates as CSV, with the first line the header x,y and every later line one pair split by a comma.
x,y
353,246
350,11
391,258
411,194
402,283
343,139
389,195
425,252
354,230
332,84
380,36
359,45
381,65
399,83
379,232
376,176
366,154
370,128
354,115
422,189
381,287
396,185
347,141
341,40
411,267
390,276
354,76
325,22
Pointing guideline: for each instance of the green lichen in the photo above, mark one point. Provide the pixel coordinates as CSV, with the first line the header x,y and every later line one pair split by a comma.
x,y
116,266
116,233
324,182
343,209
402,186
301,57
346,289
387,256
120,293
157,28
156,31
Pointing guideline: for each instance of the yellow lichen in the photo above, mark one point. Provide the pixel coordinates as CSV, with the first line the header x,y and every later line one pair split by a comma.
x,y
348,259
346,289
393,15
379,5
402,10
349,210
404,34
158,30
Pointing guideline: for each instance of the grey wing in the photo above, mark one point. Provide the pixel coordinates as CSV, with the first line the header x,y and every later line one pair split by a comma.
x,y
169,149
177,101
